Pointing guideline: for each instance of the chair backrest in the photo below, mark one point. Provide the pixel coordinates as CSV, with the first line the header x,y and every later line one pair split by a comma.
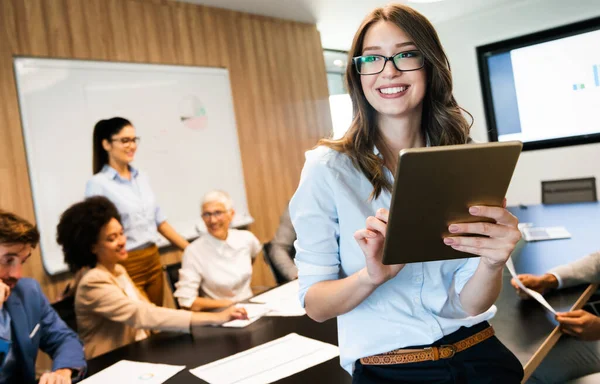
x,y
172,272
569,191
66,311
279,278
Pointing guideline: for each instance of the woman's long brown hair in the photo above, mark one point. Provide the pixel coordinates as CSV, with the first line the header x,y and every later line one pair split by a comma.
x,y
442,121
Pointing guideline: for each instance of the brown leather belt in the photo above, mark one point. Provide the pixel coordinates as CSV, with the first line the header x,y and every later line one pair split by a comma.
x,y
405,356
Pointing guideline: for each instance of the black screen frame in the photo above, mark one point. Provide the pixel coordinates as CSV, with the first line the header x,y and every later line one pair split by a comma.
x,y
484,51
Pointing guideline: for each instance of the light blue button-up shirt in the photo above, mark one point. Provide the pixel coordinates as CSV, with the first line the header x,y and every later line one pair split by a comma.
x,y
417,307
135,201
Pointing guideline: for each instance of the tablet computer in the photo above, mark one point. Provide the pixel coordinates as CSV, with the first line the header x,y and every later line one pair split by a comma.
x,y
434,187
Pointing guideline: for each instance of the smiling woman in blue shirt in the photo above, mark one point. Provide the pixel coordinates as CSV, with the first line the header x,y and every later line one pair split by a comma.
x,y
420,322
114,144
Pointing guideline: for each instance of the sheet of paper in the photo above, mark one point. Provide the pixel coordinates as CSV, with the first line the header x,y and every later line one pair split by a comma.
x,y
132,372
255,312
285,308
269,362
288,291
536,295
283,300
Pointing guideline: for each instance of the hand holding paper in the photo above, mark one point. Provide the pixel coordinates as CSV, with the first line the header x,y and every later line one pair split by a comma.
x,y
537,296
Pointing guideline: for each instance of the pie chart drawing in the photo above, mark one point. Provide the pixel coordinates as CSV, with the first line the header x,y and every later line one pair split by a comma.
x,y
193,113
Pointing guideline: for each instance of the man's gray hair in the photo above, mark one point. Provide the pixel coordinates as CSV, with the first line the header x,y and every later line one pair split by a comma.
x,y
218,197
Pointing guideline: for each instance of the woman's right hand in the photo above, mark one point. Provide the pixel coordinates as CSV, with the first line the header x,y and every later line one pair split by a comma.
x,y
540,284
231,313
370,240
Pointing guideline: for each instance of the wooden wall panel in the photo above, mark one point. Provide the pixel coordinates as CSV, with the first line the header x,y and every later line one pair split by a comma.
x,y
276,69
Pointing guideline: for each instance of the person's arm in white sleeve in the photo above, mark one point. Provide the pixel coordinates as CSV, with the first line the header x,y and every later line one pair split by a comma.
x,y
315,218
584,270
255,247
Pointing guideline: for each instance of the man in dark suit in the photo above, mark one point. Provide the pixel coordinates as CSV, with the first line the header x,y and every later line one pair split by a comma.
x,y
27,321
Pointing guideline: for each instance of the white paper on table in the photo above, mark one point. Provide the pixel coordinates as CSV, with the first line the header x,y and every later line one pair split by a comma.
x,y
268,362
126,371
255,312
283,300
536,295
287,291
285,308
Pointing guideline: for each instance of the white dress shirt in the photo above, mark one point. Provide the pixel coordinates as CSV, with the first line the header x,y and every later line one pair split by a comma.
x,y
217,269
417,307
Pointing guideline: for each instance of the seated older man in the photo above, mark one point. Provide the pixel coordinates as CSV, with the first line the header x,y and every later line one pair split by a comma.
x,y
217,268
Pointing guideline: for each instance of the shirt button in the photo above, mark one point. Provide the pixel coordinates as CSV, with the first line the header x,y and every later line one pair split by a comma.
x,y
416,300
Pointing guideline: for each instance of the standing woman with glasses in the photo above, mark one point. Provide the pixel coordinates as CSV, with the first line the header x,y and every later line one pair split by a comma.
x,y
419,322
114,147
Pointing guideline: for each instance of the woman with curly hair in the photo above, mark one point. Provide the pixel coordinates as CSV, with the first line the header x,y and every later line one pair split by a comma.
x,y
110,310
416,323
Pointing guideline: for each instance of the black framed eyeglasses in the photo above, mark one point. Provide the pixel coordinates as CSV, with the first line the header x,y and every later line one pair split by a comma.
x,y
403,62
127,140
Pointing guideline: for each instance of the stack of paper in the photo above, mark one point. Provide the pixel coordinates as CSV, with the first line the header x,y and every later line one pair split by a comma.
x,y
129,372
269,362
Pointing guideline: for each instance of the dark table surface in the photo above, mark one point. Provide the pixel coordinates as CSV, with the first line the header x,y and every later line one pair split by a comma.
x,y
521,325
211,344
524,325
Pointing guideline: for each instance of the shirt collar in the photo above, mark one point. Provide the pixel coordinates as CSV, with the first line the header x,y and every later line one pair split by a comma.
x,y
113,174
230,242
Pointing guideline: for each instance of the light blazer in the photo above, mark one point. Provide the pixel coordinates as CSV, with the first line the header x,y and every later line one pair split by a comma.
x,y
584,270
108,319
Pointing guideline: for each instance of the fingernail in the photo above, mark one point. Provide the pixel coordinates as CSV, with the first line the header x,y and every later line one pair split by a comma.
x,y
474,210
448,241
453,228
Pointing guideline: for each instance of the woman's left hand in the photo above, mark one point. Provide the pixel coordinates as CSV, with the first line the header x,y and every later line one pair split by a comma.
x,y
497,241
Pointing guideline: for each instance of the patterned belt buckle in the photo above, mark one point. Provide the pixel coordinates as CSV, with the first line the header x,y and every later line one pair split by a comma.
x,y
447,351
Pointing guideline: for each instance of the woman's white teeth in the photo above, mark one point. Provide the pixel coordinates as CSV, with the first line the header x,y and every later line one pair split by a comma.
x,y
391,91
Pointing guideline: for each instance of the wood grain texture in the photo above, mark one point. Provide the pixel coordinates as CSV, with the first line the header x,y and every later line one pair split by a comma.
x,y
276,68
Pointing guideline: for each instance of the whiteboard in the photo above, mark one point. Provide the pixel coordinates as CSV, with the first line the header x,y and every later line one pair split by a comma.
x,y
184,116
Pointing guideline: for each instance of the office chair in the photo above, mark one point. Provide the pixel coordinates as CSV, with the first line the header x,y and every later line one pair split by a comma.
x,y
172,273
569,191
279,278
66,311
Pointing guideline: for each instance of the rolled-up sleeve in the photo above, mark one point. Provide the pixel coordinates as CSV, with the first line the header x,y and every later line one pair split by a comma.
x,y
189,280
159,216
314,216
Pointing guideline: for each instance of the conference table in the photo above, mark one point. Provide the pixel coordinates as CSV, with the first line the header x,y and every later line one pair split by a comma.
x,y
524,326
